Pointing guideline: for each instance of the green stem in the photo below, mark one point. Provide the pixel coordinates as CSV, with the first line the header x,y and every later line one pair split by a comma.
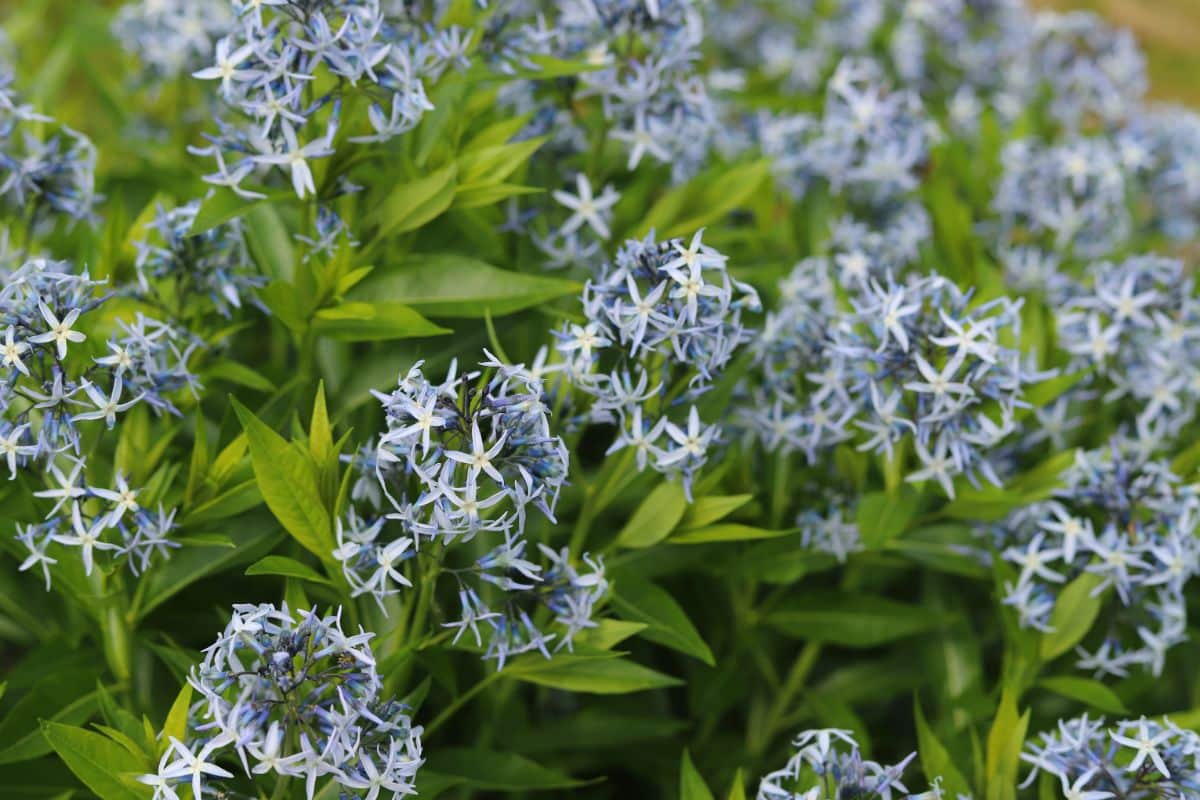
x,y
115,632
583,524
308,358
409,632
792,685
281,787
779,488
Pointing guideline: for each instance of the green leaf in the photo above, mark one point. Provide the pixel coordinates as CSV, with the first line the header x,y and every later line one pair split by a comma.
x,y
124,722
449,285
372,322
608,633
545,67
1085,690
737,790
882,517
713,508
478,196
241,497
198,464
287,567
175,725
1047,391
497,133
97,761
288,481
238,375
727,532
1074,612
1004,742
1188,460
270,242
691,784
685,209
320,433
323,450
666,621
988,503
488,770
852,620
936,759
285,303
412,205
223,205
594,674
33,744
655,518
493,163
191,564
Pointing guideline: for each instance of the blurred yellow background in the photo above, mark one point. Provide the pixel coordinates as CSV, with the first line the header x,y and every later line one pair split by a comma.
x,y
1169,32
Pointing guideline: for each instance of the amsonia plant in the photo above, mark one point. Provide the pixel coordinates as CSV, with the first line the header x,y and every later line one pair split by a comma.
x,y
790,399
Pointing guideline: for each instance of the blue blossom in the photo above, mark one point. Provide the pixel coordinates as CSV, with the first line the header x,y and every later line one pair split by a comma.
x,y
1135,324
834,531
214,264
447,453
828,764
283,69
646,80
95,520
171,38
915,361
1136,759
46,380
1161,147
1071,195
868,142
1129,522
290,692
461,459
1092,67
663,321
46,168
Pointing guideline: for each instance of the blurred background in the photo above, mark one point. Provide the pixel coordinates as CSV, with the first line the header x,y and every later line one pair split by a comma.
x,y
1169,30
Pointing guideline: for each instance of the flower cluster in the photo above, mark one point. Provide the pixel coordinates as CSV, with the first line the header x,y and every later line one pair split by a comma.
x,y
1130,523
214,263
914,361
151,357
286,69
452,453
172,38
46,168
92,519
458,459
292,693
1094,70
1135,759
1162,147
868,143
576,239
663,321
834,531
828,764
570,596
1070,196
644,54
885,243
1137,326
47,389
